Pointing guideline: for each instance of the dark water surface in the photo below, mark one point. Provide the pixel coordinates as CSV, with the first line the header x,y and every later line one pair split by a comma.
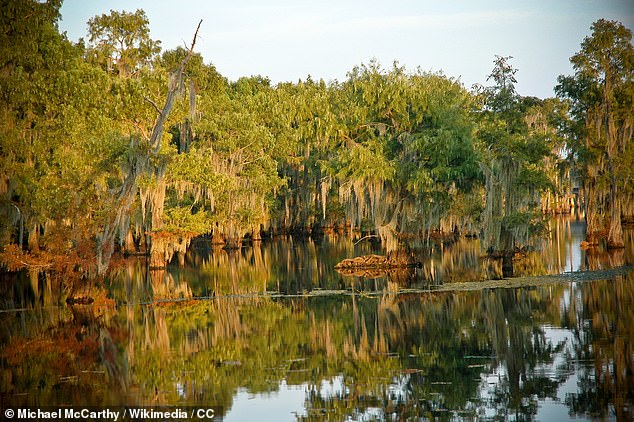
x,y
273,332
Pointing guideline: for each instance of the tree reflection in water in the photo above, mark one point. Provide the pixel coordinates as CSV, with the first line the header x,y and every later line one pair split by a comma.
x,y
366,349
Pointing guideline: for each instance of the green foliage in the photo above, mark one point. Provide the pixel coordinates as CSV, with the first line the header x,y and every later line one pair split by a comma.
x,y
122,39
395,151
413,134
601,98
502,96
516,146
181,220
60,144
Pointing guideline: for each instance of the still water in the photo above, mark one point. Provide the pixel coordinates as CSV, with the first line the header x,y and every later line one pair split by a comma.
x,y
273,332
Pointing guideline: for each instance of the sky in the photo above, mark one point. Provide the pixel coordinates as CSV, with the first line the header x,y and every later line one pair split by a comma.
x,y
287,40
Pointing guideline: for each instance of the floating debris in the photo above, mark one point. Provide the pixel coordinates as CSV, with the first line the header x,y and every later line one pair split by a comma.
x,y
479,357
80,300
374,262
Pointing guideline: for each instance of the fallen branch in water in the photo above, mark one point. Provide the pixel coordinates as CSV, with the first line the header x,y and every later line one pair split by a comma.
x,y
365,237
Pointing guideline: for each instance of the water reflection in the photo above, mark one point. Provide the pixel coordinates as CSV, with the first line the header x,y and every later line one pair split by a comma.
x,y
559,350
289,266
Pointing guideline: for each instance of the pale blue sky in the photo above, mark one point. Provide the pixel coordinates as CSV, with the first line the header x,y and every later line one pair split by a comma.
x,y
289,39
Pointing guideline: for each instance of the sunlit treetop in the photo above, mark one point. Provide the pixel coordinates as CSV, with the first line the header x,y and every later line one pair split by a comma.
x,y
122,39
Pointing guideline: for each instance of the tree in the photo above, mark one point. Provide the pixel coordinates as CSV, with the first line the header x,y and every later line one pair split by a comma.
x,y
601,94
305,127
237,147
122,39
405,155
145,173
59,142
513,164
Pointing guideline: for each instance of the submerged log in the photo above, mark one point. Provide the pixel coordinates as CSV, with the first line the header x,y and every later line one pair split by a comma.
x,y
392,260
80,300
366,261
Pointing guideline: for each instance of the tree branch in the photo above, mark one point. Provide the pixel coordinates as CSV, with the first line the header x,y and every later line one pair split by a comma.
x,y
158,110
157,132
127,192
365,237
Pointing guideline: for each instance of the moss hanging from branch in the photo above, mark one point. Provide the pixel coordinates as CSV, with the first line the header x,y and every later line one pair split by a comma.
x,y
139,164
601,98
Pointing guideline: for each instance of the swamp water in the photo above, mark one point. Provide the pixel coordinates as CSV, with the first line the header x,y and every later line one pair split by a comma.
x,y
273,332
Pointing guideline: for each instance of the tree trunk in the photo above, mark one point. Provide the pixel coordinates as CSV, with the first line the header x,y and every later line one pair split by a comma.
x,y
129,189
34,238
508,251
154,221
592,217
157,253
127,246
615,235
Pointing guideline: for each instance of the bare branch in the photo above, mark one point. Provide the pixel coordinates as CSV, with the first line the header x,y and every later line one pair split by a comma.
x,y
365,237
158,110
127,192
157,132
191,50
